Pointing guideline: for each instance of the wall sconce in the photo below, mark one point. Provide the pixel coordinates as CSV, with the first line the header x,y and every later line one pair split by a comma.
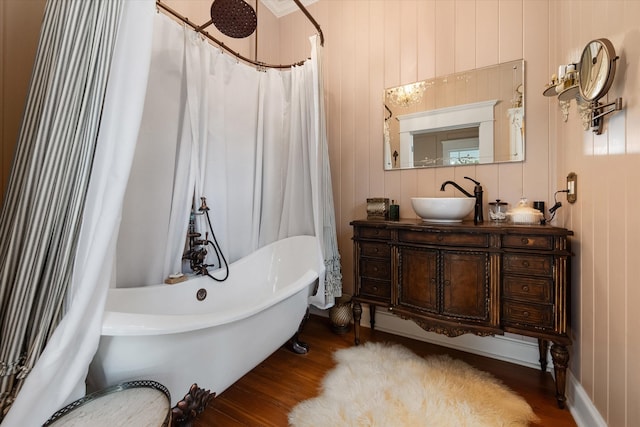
x,y
587,82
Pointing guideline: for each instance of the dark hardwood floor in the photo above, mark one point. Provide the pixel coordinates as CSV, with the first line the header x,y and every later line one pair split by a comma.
x,y
265,395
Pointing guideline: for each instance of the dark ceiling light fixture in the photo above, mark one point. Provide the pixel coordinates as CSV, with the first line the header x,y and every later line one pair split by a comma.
x,y
234,18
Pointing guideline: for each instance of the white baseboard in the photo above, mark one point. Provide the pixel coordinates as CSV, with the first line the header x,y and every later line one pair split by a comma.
x,y
510,348
582,408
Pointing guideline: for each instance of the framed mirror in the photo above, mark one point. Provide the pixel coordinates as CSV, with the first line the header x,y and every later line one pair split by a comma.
x,y
471,117
596,69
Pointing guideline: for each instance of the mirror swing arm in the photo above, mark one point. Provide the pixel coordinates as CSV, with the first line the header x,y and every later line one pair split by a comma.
x,y
596,120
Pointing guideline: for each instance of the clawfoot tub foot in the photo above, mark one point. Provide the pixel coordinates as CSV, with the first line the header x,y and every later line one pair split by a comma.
x,y
192,405
294,344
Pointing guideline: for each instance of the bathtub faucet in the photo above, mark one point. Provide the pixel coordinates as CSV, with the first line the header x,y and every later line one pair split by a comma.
x,y
196,257
197,247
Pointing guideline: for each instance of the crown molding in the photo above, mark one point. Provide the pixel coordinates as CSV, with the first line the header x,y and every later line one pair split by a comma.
x,y
281,8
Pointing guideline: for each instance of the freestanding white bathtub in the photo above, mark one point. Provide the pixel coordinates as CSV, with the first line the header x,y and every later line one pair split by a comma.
x,y
164,333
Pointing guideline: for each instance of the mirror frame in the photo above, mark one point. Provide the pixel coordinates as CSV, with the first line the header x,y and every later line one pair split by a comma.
x,y
508,93
596,70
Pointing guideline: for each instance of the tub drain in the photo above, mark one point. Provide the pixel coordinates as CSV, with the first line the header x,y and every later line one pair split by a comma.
x,y
201,294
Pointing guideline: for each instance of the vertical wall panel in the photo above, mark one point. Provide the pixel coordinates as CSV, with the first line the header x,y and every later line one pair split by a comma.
x,y
349,162
19,32
363,122
376,51
465,35
426,39
445,38
535,21
510,31
408,41
630,48
487,12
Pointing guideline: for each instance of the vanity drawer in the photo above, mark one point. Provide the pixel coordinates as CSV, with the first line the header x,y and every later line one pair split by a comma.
x,y
530,289
527,241
538,316
375,288
528,264
375,250
451,239
375,269
373,233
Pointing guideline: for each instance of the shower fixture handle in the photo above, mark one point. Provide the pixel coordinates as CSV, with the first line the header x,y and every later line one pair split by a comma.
x,y
203,204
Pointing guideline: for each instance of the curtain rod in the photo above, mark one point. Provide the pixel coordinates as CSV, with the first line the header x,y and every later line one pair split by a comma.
x,y
258,64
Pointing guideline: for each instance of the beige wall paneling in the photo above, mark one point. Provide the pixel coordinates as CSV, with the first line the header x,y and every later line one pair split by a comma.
x,y
392,77
375,47
510,30
631,96
487,14
408,28
465,38
426,39
20,23
362,121
617,191
604,275
536,173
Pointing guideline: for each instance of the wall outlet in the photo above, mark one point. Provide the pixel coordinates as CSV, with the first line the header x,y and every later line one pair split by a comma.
x,y
572,187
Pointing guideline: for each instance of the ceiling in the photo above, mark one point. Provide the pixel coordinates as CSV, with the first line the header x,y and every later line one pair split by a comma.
x,y
283,7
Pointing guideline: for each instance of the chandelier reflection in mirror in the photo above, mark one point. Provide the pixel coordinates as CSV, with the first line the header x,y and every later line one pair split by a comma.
x,y
409,94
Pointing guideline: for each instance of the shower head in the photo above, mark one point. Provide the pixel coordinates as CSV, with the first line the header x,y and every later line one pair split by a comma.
x,y
234,18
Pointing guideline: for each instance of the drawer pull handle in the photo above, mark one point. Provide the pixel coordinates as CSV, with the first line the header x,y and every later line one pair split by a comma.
x,y
525,288
447,282
375,269
525,241
375,289
439,238
525,264
525,313
375,250
376,232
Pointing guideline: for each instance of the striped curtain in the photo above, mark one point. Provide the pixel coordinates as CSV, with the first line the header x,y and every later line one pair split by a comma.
x,y
42,211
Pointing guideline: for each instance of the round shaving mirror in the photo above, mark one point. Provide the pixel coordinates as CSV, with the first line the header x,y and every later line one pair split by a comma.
x,y
596,70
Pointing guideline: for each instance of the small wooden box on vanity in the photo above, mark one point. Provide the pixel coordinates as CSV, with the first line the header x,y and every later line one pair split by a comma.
x,y
459,278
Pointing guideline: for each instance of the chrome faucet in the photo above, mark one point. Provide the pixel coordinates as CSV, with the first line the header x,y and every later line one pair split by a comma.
x,y
477,194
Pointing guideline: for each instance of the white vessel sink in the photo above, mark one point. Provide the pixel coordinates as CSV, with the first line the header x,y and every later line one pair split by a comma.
x,y
443,209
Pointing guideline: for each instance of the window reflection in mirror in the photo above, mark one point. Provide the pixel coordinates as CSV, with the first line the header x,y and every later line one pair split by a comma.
x,y
444,121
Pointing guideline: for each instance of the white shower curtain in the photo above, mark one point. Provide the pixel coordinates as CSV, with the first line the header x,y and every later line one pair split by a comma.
x,y
249,141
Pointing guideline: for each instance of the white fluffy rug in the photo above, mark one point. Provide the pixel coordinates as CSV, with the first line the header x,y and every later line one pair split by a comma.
x,y
386,385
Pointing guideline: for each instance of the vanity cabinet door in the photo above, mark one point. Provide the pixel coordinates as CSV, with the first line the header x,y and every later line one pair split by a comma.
x,y
444,282
419,284
465,284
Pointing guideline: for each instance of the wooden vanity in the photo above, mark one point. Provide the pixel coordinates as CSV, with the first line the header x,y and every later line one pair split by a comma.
x,y
459,278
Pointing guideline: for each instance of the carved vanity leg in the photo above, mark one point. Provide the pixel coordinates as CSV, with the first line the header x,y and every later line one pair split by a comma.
x,y
294,343
357,315
560,357
372,316
543,347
